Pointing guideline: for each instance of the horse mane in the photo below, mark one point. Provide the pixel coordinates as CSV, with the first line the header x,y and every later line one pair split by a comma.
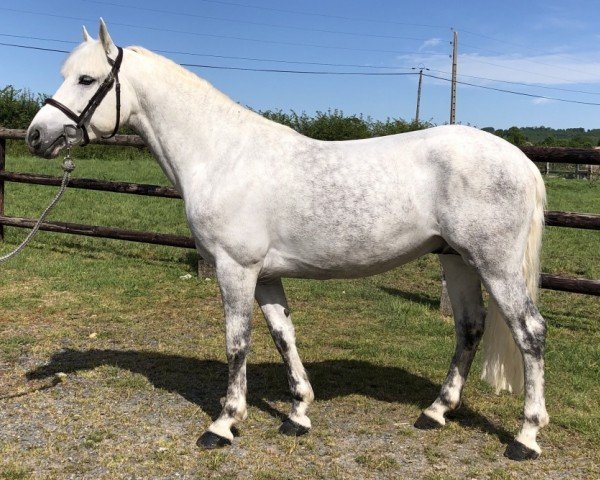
x,y
184,75
170,64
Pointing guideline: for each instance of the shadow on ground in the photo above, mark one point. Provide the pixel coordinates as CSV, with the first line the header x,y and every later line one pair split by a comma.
x,y
413,297
204,381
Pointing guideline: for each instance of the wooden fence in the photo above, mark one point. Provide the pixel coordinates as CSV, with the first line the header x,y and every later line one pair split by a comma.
x,y
536,154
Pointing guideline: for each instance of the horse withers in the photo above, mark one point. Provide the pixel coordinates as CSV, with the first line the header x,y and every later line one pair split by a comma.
x,y
264,202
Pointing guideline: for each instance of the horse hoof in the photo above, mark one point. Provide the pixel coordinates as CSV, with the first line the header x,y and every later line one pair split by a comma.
x,y
209,441
425,422
292,429
518,451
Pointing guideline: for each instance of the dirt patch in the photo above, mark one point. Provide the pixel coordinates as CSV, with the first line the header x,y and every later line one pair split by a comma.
x,y
119,413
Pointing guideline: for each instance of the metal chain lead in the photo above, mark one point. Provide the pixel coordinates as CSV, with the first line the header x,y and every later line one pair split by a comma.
x,y
68,166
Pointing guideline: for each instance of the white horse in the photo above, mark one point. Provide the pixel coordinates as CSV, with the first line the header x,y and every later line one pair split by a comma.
x,y
264,202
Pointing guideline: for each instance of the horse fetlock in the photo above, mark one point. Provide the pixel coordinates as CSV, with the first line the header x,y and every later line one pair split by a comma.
x,y
237,412
448,401
302,392
536,418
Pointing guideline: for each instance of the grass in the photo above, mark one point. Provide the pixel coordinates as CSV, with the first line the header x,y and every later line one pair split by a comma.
x,y
144,364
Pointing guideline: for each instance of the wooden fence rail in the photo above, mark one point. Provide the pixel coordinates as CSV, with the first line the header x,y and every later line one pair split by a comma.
x,y
92,184
102,232
538,154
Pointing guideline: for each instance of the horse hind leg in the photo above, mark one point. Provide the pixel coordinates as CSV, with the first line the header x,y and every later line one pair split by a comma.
x,y
272,301
464,290
528,329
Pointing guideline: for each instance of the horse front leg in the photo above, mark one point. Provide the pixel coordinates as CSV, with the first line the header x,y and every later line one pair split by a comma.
x,y
272,301
237,284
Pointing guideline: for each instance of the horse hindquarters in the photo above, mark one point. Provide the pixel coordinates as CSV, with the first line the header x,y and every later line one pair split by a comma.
x,y
501,240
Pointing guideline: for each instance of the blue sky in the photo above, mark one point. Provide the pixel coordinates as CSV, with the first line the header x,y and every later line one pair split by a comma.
x,y
549,46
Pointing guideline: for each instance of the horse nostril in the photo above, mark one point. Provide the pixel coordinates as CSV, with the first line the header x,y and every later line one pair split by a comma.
x,y
33,139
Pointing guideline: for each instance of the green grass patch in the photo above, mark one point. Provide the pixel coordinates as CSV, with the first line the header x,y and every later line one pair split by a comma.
x,y
13,472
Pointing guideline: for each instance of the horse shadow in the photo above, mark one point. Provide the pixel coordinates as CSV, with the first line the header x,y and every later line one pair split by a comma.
x,y
202,382
413,297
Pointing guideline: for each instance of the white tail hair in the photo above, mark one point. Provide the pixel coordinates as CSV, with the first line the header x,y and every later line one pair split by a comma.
x,y
503,361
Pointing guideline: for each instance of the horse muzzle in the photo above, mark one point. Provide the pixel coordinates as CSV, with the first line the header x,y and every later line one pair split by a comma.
x,y
48,143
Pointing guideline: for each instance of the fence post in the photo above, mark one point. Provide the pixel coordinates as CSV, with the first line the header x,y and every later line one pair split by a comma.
x,y
2,165
205,270
445,305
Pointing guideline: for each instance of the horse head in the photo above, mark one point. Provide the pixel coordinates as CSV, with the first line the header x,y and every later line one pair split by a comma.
x,y
88,103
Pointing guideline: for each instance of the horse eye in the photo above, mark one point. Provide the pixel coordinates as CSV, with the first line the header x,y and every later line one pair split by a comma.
x,y
86,80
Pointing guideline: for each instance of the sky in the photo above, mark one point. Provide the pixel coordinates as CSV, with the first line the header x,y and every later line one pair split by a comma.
x,y
546,50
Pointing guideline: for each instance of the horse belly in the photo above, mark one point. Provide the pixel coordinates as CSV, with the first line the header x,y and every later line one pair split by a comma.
x,y
349,255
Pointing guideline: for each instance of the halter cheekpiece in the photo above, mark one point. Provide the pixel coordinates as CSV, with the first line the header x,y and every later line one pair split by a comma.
x,y
90,108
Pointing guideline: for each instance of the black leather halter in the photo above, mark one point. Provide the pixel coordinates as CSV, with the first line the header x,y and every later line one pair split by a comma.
x,y
90,108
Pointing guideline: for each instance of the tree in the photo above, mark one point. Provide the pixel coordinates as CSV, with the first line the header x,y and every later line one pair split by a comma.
x,y
18,107
515,136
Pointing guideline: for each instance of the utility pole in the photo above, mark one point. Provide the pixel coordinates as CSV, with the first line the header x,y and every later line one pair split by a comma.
x,y
445,306
453,89
419,90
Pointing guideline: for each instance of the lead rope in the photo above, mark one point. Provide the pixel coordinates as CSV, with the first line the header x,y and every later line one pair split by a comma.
x,y
68,166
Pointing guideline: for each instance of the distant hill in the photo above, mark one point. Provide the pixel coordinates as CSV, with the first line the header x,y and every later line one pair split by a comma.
x,y
551,137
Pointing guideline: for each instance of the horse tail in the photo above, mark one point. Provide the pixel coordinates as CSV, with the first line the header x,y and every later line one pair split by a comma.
x,y
503,362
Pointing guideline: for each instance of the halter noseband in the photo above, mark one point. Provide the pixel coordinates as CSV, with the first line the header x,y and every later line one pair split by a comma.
x,y
90,108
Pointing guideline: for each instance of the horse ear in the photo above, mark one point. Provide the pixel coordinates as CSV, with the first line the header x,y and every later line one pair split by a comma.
x,y
86,35
107,43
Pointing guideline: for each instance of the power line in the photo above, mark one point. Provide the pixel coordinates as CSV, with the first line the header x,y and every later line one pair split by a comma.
x,y
27,37
519,70
281,42
323,15
261,24
304,72
520,45
321,64
313,72
293,62
273,60
33,48
514,92
229,37
531,85
528,60
222,67
229,57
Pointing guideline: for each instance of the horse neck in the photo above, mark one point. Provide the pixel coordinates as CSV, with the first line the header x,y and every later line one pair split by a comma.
x,y
185,121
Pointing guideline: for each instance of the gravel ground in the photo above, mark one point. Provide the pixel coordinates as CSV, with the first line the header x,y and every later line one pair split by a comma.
x,y
135,414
